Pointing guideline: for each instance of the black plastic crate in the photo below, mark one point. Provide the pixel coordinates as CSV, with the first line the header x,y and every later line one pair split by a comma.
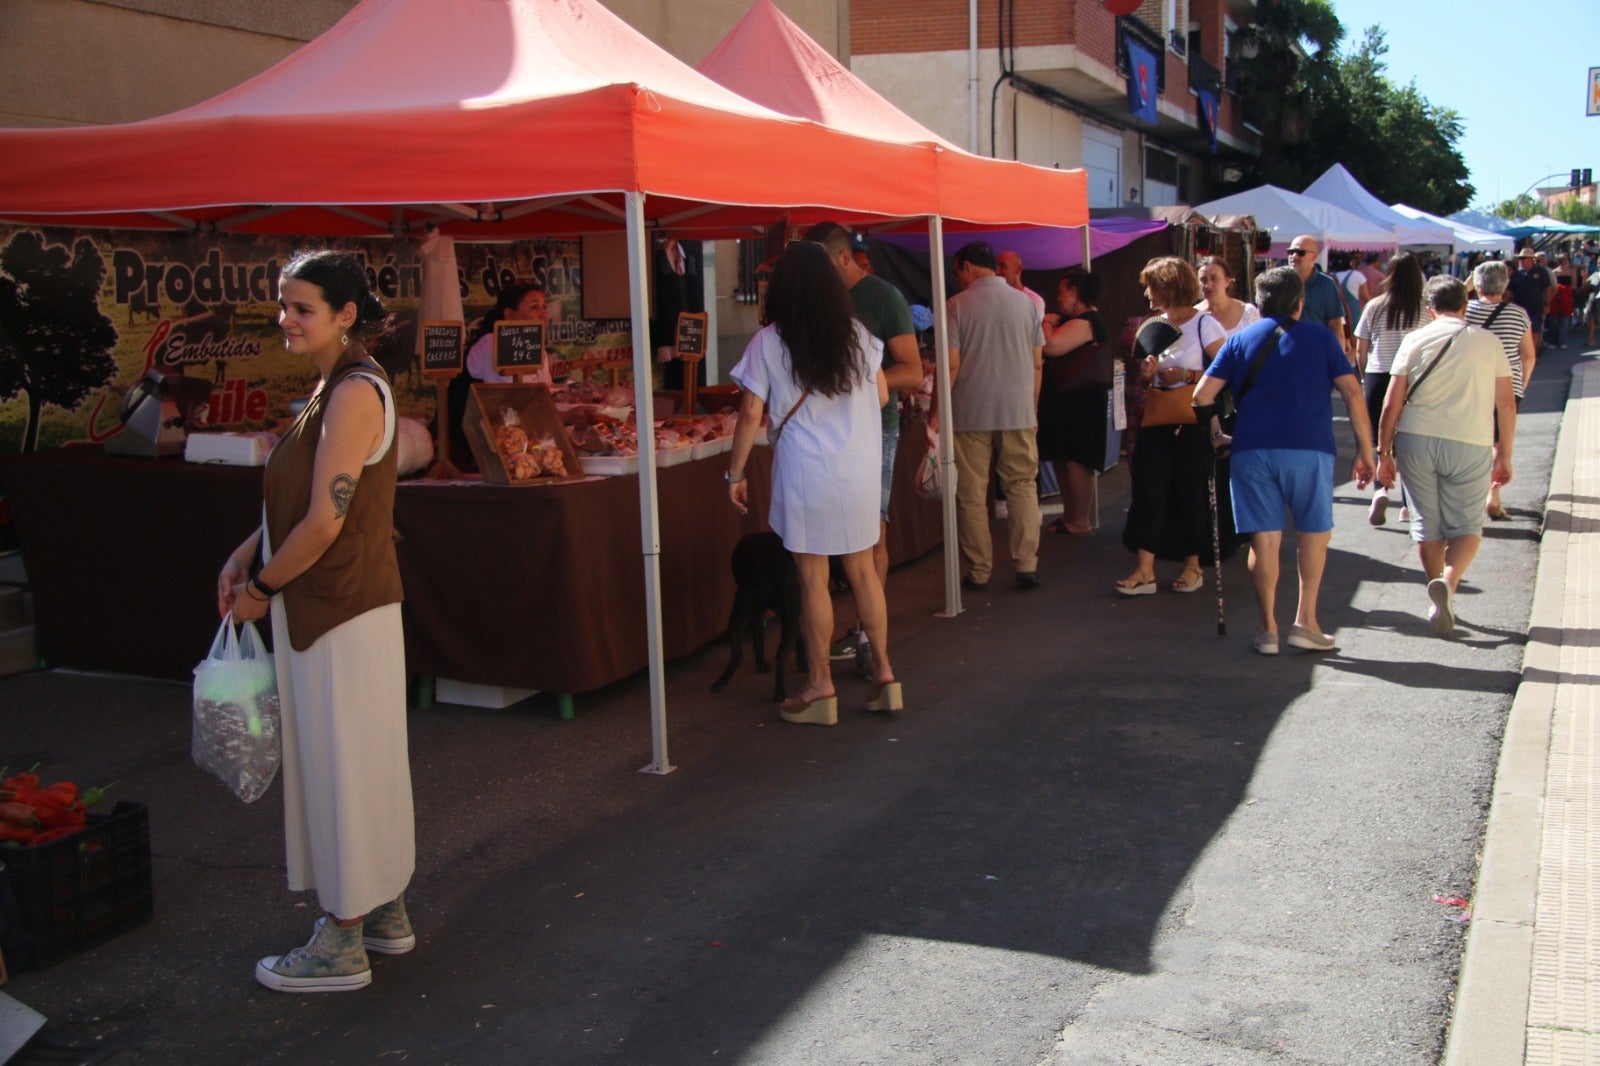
x,y
81,890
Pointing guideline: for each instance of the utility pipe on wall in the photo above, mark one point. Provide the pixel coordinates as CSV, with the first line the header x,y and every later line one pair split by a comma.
x,y
972,76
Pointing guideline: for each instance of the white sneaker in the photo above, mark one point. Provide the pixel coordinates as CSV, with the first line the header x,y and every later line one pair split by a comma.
x,y
1441,609
1378,513
333,960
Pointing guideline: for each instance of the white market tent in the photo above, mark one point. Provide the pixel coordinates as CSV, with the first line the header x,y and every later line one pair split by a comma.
x,y
1339,187
1464,238
1481,220
1287,214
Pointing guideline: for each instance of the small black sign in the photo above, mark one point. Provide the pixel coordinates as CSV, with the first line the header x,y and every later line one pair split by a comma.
x,y
441,348
692,335
518,347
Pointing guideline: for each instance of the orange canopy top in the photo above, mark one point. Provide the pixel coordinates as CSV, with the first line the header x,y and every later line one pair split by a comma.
x,y
767,58
490,118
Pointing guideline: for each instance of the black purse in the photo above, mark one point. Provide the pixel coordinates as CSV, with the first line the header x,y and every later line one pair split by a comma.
x,y
1088,366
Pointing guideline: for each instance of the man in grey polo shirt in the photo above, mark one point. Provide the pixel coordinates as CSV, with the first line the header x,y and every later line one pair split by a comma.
x,y
996,363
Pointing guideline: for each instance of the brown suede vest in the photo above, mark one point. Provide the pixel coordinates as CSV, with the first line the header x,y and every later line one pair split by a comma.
x,y
359,570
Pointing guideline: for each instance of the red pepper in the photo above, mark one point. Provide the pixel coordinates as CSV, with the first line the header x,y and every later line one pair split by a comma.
x,y
55,834
20,834
19,814
19,780
54,808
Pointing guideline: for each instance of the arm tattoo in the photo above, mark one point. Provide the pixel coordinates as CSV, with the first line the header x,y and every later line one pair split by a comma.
x,y
343,489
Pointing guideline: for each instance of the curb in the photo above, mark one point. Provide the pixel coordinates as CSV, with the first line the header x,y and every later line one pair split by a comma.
x,y
1489,1026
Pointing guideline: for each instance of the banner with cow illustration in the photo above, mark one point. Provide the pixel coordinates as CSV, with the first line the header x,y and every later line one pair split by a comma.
x,y
84,313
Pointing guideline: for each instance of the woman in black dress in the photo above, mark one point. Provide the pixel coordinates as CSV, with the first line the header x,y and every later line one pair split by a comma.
x,y
1169,511
1072,401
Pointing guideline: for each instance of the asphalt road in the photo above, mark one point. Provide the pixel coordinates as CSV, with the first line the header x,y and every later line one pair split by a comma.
x,y
1098,834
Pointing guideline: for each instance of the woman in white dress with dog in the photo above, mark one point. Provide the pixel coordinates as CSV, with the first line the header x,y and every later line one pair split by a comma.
x,y
816,369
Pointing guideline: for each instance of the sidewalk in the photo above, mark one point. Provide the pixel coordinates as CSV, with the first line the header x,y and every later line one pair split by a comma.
x,y
1530,990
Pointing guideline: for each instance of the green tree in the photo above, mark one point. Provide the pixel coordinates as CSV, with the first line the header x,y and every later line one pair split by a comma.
x,y
55,344
1287,61
1345,109
1577,212
1524,206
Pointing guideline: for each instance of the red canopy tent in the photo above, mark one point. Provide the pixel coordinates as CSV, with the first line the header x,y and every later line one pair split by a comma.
x,y
493,119
488,117
767,58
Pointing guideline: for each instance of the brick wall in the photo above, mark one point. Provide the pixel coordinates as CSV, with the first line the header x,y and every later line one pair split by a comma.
x,y
1095,32
883,26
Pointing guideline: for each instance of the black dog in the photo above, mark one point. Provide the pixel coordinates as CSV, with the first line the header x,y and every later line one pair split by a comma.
x,y
765,573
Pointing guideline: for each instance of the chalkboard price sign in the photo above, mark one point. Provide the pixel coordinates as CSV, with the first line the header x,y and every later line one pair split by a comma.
x,y
518,347
441,348
692,335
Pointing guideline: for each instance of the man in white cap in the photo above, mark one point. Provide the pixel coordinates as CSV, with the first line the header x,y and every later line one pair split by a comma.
x,y
1530,288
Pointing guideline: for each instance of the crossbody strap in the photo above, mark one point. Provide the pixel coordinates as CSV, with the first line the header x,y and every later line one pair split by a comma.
x,y
1257,361
1494,315
1344,299
1412,390
792,410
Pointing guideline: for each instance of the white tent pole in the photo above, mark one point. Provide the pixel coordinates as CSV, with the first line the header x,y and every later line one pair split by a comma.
x,y
1086,246
649,515
947,439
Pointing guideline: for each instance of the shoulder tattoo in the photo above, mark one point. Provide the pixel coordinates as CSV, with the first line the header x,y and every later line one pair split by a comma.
x,y
343,489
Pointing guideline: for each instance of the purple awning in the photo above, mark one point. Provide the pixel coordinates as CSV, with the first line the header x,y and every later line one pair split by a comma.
x,y
1041,248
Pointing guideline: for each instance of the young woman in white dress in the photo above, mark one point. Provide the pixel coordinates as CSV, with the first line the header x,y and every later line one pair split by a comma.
x,y
817,370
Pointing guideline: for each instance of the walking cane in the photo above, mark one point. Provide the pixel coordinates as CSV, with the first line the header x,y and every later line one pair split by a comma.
x,y
1203,415
1216,538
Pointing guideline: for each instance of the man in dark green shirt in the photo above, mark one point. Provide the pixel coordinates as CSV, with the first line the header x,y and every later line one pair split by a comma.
x,y
887,316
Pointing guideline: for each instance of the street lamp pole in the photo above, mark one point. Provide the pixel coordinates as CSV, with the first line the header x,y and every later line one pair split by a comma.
x,y
1537,182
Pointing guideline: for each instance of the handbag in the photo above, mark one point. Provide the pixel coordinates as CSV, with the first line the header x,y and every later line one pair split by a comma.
x,y
1169,407
1088,366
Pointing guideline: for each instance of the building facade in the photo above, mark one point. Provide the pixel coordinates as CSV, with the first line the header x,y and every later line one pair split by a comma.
x,y
74,62
78,62
1046,83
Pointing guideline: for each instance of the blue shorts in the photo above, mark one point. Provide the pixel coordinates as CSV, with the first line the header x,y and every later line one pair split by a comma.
x,y
891,445
1268,481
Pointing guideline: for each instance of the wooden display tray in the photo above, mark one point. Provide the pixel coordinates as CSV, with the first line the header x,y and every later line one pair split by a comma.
x,y
537,412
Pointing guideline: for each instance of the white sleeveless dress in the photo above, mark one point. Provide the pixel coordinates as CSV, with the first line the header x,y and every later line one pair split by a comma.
x,y
349,829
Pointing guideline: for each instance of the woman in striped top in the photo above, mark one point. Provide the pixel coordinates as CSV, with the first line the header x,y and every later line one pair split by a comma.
x,y
1493,311
1392,314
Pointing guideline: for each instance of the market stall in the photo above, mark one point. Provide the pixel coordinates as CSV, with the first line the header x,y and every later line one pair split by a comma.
x,y
504,585
770,60
340,139
1463,238
1287,214
1339,187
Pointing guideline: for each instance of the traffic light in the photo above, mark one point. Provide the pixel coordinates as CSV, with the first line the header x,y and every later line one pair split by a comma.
x,y
1588,177
1577,175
